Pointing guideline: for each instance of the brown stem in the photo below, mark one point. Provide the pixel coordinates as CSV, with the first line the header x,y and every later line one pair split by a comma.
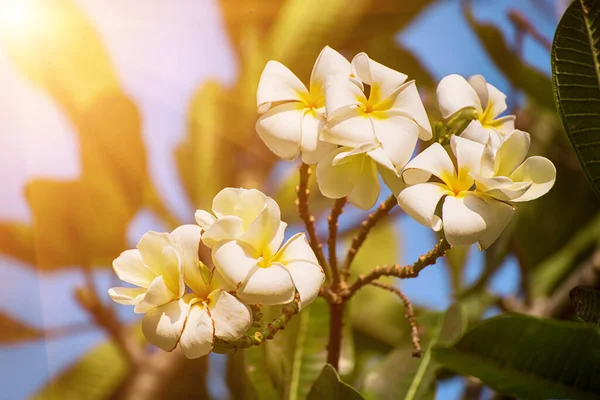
x,y
408,271
365,228
309,221
336,323
336,210
409,315
523,24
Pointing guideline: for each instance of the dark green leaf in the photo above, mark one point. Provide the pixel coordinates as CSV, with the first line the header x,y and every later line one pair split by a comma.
x,y
329,386
576,79
533,82
586,301
529,358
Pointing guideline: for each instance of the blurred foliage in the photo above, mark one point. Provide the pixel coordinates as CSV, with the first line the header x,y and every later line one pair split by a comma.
x,y
586,301
13,331
329,386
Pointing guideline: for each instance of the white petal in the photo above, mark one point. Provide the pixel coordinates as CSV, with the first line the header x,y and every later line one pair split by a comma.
x,y
382,159
295,249
329,63
468,159
434,160
162,254
337,181
231,318
391,179
540,172
130,268
496,102
234,260
157,294
273,247
268,286
281,129
505,125
407,100
353,128
246,204
264,228
204,219
481,88
188,236
454,94
341,94
398,135
512,152
501,187
383,80
198,336
366,192
225,228
420,202
162,326
476,132
313,149
127,296
471,218
277,83
308,278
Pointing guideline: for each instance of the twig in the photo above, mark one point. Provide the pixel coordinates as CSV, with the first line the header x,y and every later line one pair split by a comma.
x,y
524,25
68,330
309,221
409,315
365,228
336,210
408,271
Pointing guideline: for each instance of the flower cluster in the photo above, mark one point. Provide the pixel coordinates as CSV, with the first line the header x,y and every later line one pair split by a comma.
x,y
250,266
361,119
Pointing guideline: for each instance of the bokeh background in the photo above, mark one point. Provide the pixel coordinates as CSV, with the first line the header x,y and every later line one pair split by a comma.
x,y
117,117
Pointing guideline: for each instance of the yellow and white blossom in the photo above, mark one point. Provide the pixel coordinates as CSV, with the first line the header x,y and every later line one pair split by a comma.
x,y
507,175
292,115
467,216
378,131
455,94
245,235
161,265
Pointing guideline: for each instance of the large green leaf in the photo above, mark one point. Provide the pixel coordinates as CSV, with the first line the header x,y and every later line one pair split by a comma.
x,y
329,386
529,358
521,75
400,376
576,78
14,331
586,301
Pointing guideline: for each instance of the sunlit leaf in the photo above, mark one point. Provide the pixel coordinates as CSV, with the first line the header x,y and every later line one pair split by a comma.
x,y
14,331
586,301
576,78
329,386
528,357
521,75
400,376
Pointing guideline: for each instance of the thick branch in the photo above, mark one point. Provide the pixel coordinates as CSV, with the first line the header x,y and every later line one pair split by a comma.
x,y
336,324
408,271
309,221
409,315
336,210
365,228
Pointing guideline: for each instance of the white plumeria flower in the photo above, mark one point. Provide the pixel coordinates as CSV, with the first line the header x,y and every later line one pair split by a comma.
x,y
378,131
292,115
192,320
245,235
507,175
467,215
455,94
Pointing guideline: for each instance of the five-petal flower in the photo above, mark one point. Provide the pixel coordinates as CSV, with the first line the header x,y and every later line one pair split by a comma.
x,y
455,94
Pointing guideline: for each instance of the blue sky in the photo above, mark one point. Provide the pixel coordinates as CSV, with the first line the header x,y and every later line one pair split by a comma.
x,y
441,39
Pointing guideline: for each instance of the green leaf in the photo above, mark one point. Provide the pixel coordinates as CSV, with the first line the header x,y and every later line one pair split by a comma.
x,y
13,331
529,358
401,376
329,386
532,81
256,368
576,79
586,301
